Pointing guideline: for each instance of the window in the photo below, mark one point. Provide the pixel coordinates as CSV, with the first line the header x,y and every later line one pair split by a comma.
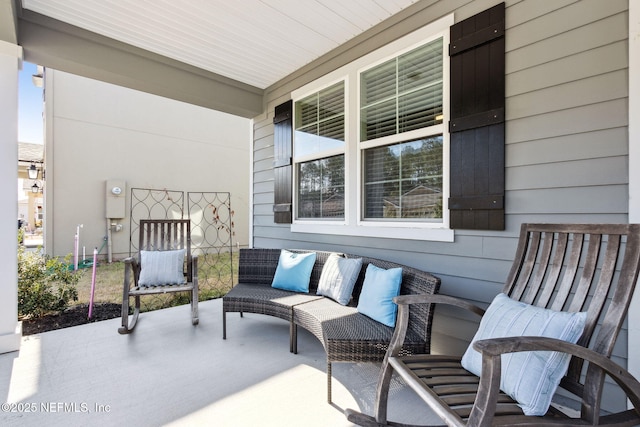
x,y
370,145
403,178
319,135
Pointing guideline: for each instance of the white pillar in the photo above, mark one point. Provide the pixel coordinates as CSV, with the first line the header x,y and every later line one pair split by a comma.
x,y
10,328
634,172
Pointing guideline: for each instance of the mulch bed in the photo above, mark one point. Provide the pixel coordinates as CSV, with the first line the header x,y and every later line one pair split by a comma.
x,y
73,316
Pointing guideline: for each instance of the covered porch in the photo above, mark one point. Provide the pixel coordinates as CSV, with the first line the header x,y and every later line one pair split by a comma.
x,y
572,153
171,373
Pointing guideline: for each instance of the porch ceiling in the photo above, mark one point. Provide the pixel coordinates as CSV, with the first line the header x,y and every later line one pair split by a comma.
x,y
256,42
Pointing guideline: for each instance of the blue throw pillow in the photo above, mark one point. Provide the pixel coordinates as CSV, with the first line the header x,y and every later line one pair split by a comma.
x,y
339,275
379,287
531,378
294,271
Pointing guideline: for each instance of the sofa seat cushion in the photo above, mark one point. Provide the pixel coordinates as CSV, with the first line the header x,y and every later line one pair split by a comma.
x,y
346,333
263,299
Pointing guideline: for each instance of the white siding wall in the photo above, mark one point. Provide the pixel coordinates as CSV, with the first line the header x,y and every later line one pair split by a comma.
x,y
566,145
98,131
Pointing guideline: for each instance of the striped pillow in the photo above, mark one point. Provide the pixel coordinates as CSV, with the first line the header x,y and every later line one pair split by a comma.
x,y
339,275
161,268
531,377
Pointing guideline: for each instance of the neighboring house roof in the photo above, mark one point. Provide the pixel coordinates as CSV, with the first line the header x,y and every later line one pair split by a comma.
x,y
419,197
30,152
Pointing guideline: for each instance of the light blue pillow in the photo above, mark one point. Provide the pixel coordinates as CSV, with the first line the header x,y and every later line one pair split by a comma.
x,y
161,268
339,275
294,271
379,287
531,378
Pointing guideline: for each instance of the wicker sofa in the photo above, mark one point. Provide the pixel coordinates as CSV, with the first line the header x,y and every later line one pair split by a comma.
x,y
346,334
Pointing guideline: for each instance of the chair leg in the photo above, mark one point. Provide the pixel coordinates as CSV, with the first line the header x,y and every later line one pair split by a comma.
x,y
380,405
328,382
382,392
293,338
194,306
125,314
126,327
224,325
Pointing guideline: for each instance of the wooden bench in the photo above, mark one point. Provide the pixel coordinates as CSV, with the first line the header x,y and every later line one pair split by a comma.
x,y
347,336
569,268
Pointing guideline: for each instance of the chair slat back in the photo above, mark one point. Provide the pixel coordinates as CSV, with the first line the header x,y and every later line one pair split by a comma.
x,y
166,234
579,267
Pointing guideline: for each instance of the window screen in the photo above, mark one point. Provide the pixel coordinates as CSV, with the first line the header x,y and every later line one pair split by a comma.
x,y
404,180
321,188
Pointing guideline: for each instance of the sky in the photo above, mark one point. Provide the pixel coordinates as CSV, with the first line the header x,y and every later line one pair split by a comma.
x,y
30,123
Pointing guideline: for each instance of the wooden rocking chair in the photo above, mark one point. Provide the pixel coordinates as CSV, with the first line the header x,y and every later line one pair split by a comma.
x,y
164,264
569,268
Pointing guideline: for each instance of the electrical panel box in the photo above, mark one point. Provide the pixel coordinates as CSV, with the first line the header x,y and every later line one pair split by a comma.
x,y
115,203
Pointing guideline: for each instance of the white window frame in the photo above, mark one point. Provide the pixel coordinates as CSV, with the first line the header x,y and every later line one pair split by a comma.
x,y
353,225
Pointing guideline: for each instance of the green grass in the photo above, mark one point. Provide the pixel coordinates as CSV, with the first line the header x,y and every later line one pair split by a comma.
x,y
215,279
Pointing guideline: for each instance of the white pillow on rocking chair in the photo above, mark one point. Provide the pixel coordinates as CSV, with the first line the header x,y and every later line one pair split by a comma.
x,y
161,268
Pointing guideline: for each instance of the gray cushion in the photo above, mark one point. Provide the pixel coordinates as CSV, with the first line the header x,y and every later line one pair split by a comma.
x,y
161,267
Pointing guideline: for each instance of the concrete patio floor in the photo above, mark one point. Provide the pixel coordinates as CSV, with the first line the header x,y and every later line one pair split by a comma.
x,y
171,373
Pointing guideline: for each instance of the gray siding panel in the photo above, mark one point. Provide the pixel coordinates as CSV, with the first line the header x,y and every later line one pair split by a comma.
x,y
578,173
575,67
598,34
587,118
575,201
521,12
591,90
578,146
544,22
566,145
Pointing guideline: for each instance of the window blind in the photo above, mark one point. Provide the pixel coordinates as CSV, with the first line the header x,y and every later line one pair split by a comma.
x,y
402,94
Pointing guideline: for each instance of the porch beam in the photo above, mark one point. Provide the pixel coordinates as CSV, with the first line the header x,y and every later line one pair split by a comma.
x,y
55,44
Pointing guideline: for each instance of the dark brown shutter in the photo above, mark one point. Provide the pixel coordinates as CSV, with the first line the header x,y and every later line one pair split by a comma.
x,y
282,163
477,121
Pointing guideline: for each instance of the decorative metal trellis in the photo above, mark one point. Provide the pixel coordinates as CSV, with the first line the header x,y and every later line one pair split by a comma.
x,y
212,232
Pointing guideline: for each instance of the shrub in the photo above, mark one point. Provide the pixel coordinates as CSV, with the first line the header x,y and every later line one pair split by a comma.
x,y
45,284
